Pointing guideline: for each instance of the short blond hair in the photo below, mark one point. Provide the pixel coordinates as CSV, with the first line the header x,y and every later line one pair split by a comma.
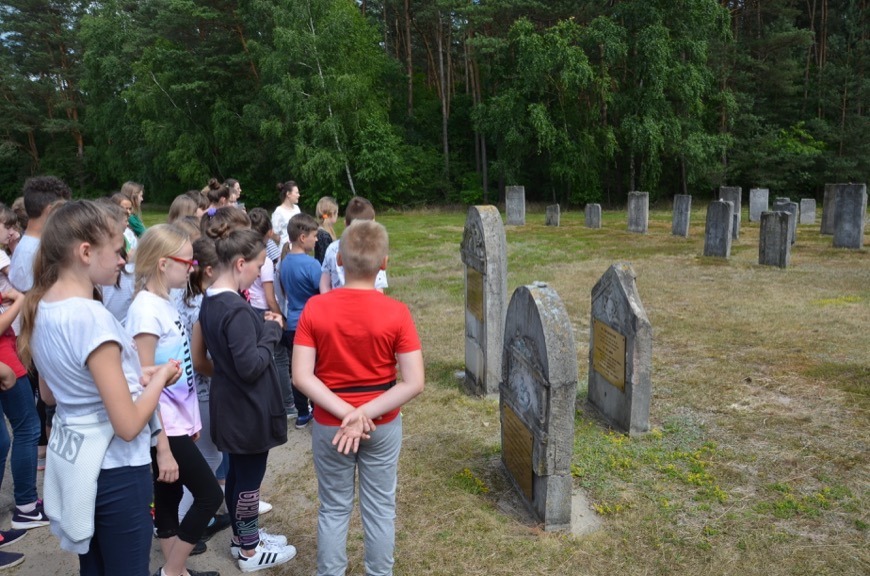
x,y
364,245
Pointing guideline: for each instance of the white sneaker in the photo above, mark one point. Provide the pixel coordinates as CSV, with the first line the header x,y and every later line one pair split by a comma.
x,y
270,540
266,557
265,507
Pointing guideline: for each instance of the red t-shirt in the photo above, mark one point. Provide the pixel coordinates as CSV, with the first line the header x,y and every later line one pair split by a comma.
x,y
9,353
357,334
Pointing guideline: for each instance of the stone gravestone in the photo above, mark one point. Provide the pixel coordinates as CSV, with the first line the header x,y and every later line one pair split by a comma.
x,y
774,244
638,212
717,233
620,351
733,194
758,202
808,211
484,253
553,215
682,212
538,391
849,216
786,205
829,209
515,203
593,216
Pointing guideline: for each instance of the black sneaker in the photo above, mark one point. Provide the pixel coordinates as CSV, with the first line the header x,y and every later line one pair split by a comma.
x,y
27,520
7,537
199,548
10,559
199,573
218,523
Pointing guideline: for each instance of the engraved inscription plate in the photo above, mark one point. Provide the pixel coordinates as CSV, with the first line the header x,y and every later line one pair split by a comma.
x,y
517,450
608,353
474,292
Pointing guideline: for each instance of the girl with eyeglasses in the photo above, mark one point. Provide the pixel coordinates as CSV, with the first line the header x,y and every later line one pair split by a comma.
x,y
164,260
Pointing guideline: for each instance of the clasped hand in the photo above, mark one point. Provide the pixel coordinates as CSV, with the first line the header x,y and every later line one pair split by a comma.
x,y
355,427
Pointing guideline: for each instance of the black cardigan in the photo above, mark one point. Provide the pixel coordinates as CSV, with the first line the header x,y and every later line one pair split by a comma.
x,y
245,403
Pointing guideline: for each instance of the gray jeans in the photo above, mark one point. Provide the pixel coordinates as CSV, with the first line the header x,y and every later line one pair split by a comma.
x,y
377,461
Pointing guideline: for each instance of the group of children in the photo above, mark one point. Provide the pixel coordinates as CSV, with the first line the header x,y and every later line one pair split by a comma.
x,y
184,377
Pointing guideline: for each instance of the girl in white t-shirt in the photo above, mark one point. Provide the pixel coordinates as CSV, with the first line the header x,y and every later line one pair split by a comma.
x,y
93,372
164,259
288,193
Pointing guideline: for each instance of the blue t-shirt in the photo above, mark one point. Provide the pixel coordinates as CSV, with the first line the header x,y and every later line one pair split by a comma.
x,y
300,279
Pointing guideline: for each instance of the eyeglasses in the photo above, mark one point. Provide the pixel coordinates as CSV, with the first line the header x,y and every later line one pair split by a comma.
x,y
190,263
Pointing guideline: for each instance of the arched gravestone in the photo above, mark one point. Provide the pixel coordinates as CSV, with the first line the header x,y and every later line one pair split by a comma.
x,y
620,351
537,401
484,253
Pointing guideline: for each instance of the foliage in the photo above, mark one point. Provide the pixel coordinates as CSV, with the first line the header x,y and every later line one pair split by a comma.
x,y
428,101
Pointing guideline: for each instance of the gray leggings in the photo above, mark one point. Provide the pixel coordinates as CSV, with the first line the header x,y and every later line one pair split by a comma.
x,y
377,462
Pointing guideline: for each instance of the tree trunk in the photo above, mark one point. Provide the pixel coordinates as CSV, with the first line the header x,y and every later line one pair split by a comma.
x,y
329,107
443,91
409,62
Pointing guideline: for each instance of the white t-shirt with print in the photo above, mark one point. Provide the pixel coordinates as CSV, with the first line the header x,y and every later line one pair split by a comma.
x,y
65,335
179,407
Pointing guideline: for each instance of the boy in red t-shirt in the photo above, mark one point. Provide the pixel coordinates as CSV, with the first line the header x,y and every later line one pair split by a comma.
x,y
344,359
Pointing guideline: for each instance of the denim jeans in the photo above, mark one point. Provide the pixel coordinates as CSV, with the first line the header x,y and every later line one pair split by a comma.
x,y
19,408
122,524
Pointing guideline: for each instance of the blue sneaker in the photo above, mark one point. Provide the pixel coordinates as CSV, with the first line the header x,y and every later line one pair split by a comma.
x,y
8,537
27,520
303,420
10,559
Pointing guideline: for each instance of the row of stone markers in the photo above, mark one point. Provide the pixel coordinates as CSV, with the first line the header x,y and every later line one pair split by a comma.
x,y
843,217
526,353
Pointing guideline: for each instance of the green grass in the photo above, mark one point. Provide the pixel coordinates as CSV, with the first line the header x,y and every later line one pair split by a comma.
x,y
758,462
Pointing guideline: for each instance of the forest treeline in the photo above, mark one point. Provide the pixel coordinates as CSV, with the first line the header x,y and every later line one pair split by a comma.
x,y
413,102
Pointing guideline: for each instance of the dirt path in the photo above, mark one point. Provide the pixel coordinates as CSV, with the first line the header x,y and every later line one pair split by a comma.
x,y
45,558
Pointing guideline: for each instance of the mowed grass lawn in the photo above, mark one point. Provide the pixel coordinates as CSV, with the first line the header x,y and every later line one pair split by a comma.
x,y
757,462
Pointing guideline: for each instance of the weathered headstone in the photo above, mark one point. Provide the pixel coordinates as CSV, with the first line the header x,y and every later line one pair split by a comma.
x,y
829,209
553,215
593,216
774,244
620,351
717,233
638,212
758,202
484,253
682,213
850,215
808,211
786,205
733,194
537,400
515,204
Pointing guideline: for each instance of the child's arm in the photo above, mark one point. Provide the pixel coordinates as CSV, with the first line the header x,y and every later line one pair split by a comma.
x,y
8,317
202,364
304,379
271,302
325,282
413,377
128,418
354,425
250,356
146,344
7,377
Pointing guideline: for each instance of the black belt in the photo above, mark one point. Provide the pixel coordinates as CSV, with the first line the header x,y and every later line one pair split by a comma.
x,y
360,389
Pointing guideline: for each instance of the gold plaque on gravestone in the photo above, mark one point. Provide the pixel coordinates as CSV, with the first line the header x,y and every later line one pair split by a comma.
x,y
608,353
517,450
474,292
